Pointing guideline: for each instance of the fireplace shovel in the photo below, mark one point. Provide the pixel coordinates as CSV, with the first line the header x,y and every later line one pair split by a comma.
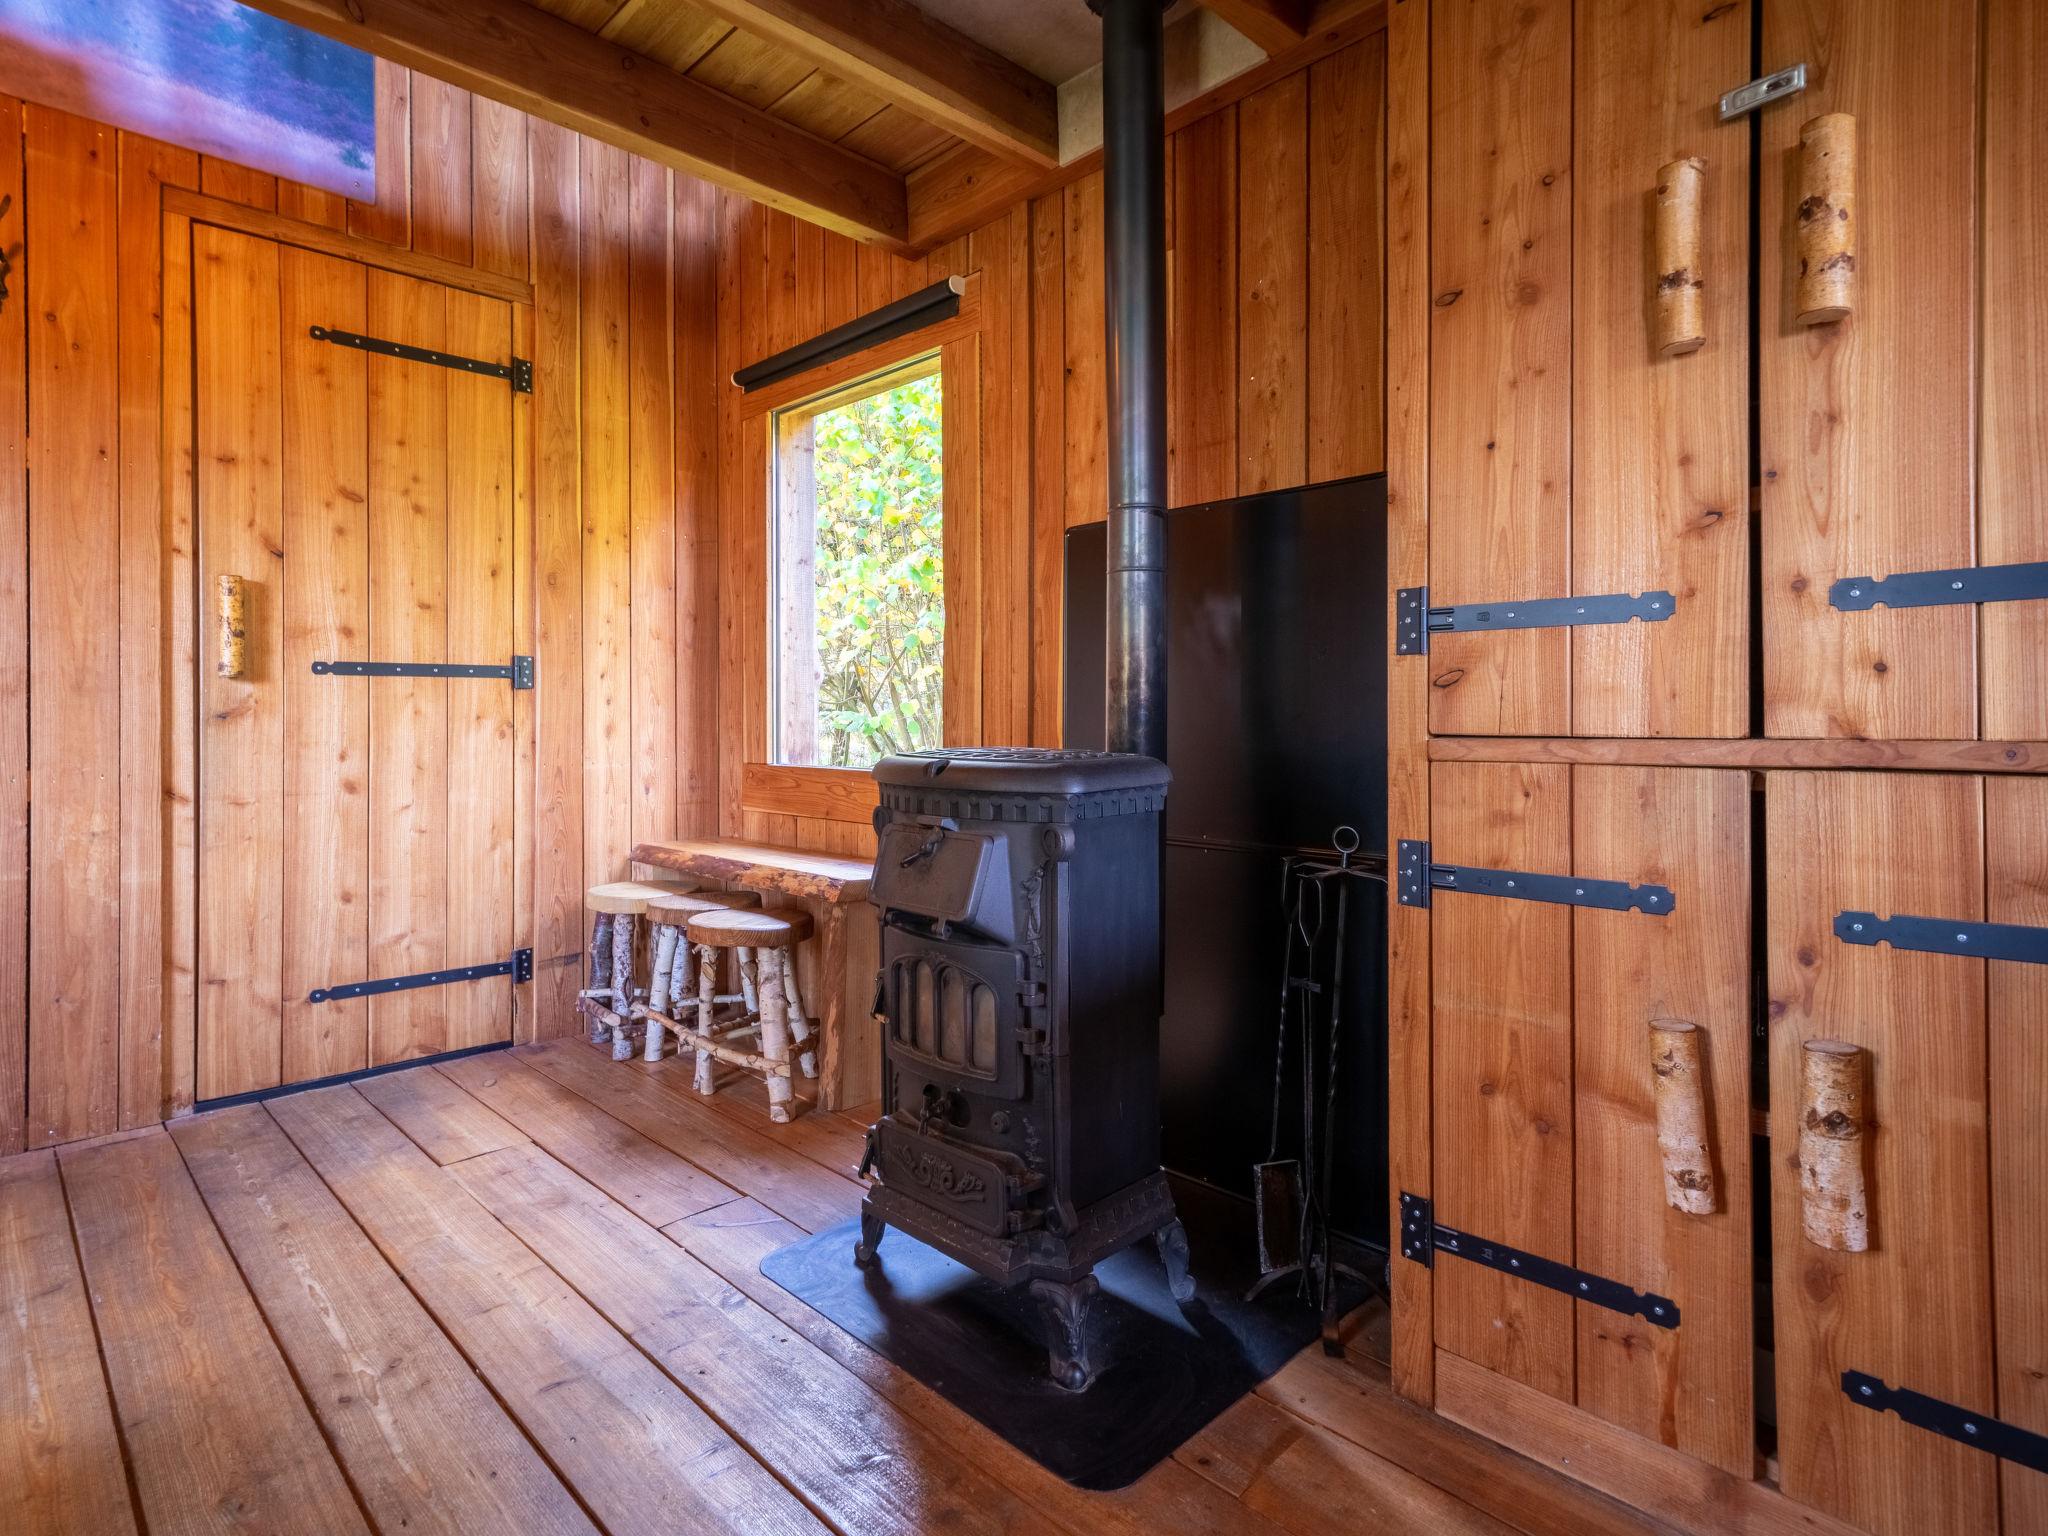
x,y
1277,1189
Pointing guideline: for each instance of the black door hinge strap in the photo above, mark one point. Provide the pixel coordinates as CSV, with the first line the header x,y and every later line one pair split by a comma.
x,y
2006,1441
518,373
519,672
519,967
1417,620
1423,1237
1415,877
1946,936
1934,589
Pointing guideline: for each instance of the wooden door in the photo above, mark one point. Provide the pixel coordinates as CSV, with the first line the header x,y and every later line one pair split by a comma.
x,y
1908,436
1545,1123
1914,1308
1568,456
351,828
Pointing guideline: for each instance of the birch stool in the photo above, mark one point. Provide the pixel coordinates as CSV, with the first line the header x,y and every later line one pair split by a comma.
x,y
766,944
616,909
672,981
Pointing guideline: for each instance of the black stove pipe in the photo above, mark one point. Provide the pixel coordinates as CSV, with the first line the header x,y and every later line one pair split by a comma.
x,y
1134,242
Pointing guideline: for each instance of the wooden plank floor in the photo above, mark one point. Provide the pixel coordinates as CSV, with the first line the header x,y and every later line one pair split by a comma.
x,y
522,1293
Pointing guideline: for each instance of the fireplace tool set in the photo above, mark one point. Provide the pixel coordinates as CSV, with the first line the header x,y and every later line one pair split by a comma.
x,y
1291,1196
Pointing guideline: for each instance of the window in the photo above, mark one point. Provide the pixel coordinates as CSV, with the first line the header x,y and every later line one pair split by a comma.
x,y
857,588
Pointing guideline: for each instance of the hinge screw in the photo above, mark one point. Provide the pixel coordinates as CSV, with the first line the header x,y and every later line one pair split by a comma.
x,y
1864,1390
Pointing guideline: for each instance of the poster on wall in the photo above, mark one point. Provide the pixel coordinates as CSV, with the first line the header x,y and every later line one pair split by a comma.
x,y
210,75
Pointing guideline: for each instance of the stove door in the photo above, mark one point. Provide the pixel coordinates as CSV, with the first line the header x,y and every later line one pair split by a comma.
x,y
956,1012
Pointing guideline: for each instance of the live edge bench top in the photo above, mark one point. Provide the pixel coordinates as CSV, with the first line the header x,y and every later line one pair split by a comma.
x,y
759,867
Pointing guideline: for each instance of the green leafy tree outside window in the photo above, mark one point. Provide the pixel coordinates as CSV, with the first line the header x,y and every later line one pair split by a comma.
x,y
880,574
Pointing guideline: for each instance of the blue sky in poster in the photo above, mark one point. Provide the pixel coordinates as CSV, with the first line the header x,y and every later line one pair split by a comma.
x,y
208,74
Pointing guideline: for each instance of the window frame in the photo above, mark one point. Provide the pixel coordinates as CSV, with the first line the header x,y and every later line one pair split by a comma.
x,y
792,501
769,801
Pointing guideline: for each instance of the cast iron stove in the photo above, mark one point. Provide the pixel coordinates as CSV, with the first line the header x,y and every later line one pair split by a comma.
x,y
1020,991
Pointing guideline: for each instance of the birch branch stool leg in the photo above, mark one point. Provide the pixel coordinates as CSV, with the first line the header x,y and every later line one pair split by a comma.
x,y
666,937
597,975
764,942
707,1011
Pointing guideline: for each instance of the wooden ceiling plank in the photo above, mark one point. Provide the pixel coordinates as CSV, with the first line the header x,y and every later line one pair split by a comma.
x,y
552,69
917,62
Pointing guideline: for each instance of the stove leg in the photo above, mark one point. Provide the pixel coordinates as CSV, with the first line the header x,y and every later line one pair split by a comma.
x,y
871,1229
1172,1242
1065,1310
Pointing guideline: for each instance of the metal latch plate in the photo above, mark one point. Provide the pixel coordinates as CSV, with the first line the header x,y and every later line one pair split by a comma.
x,y
1762,92
1946,936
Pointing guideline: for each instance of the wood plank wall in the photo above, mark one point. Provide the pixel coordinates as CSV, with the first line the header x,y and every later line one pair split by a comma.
x,y
1275,379
616,487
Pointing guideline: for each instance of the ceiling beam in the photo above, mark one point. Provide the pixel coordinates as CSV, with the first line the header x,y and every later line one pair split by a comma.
x,y
965,187
523,56
916,61
1275,25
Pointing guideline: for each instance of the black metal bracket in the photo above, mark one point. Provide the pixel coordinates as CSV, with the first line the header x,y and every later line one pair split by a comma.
x,y
1416,621
519,672
518,373
1934,589
1945,936
519,967
2007,1441
1416,877
1423,1237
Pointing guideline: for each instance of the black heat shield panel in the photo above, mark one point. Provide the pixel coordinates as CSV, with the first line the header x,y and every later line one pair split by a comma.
x,y
1276,726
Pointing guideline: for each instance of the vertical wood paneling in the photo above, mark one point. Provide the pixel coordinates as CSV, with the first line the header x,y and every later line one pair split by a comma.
x,y
146,167
14,647
1500,450
480,752
1000,253
527,1020
1346,245
1202,372
325,914
1687,829
311,205
1086,409
442,211
498,191
2013,325
733,222
1503,1066
840,282
409,768
74,538
696,465
389,217
558,873
1866,426
180,747
1409,1030
1272,278
1914,1309
2016,891
960,446
1048,368
651,429
1660,462
239,389
607,517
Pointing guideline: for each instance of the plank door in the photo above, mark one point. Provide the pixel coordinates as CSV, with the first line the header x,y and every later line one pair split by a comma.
x,y
1567,456
351,828
1544,1119
1915,1309
1867,426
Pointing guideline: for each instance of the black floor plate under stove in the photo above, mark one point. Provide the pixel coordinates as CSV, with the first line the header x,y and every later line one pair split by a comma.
x,y
1168,1370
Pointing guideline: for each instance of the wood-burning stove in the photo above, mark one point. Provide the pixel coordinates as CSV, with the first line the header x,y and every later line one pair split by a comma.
x,y
1020,992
